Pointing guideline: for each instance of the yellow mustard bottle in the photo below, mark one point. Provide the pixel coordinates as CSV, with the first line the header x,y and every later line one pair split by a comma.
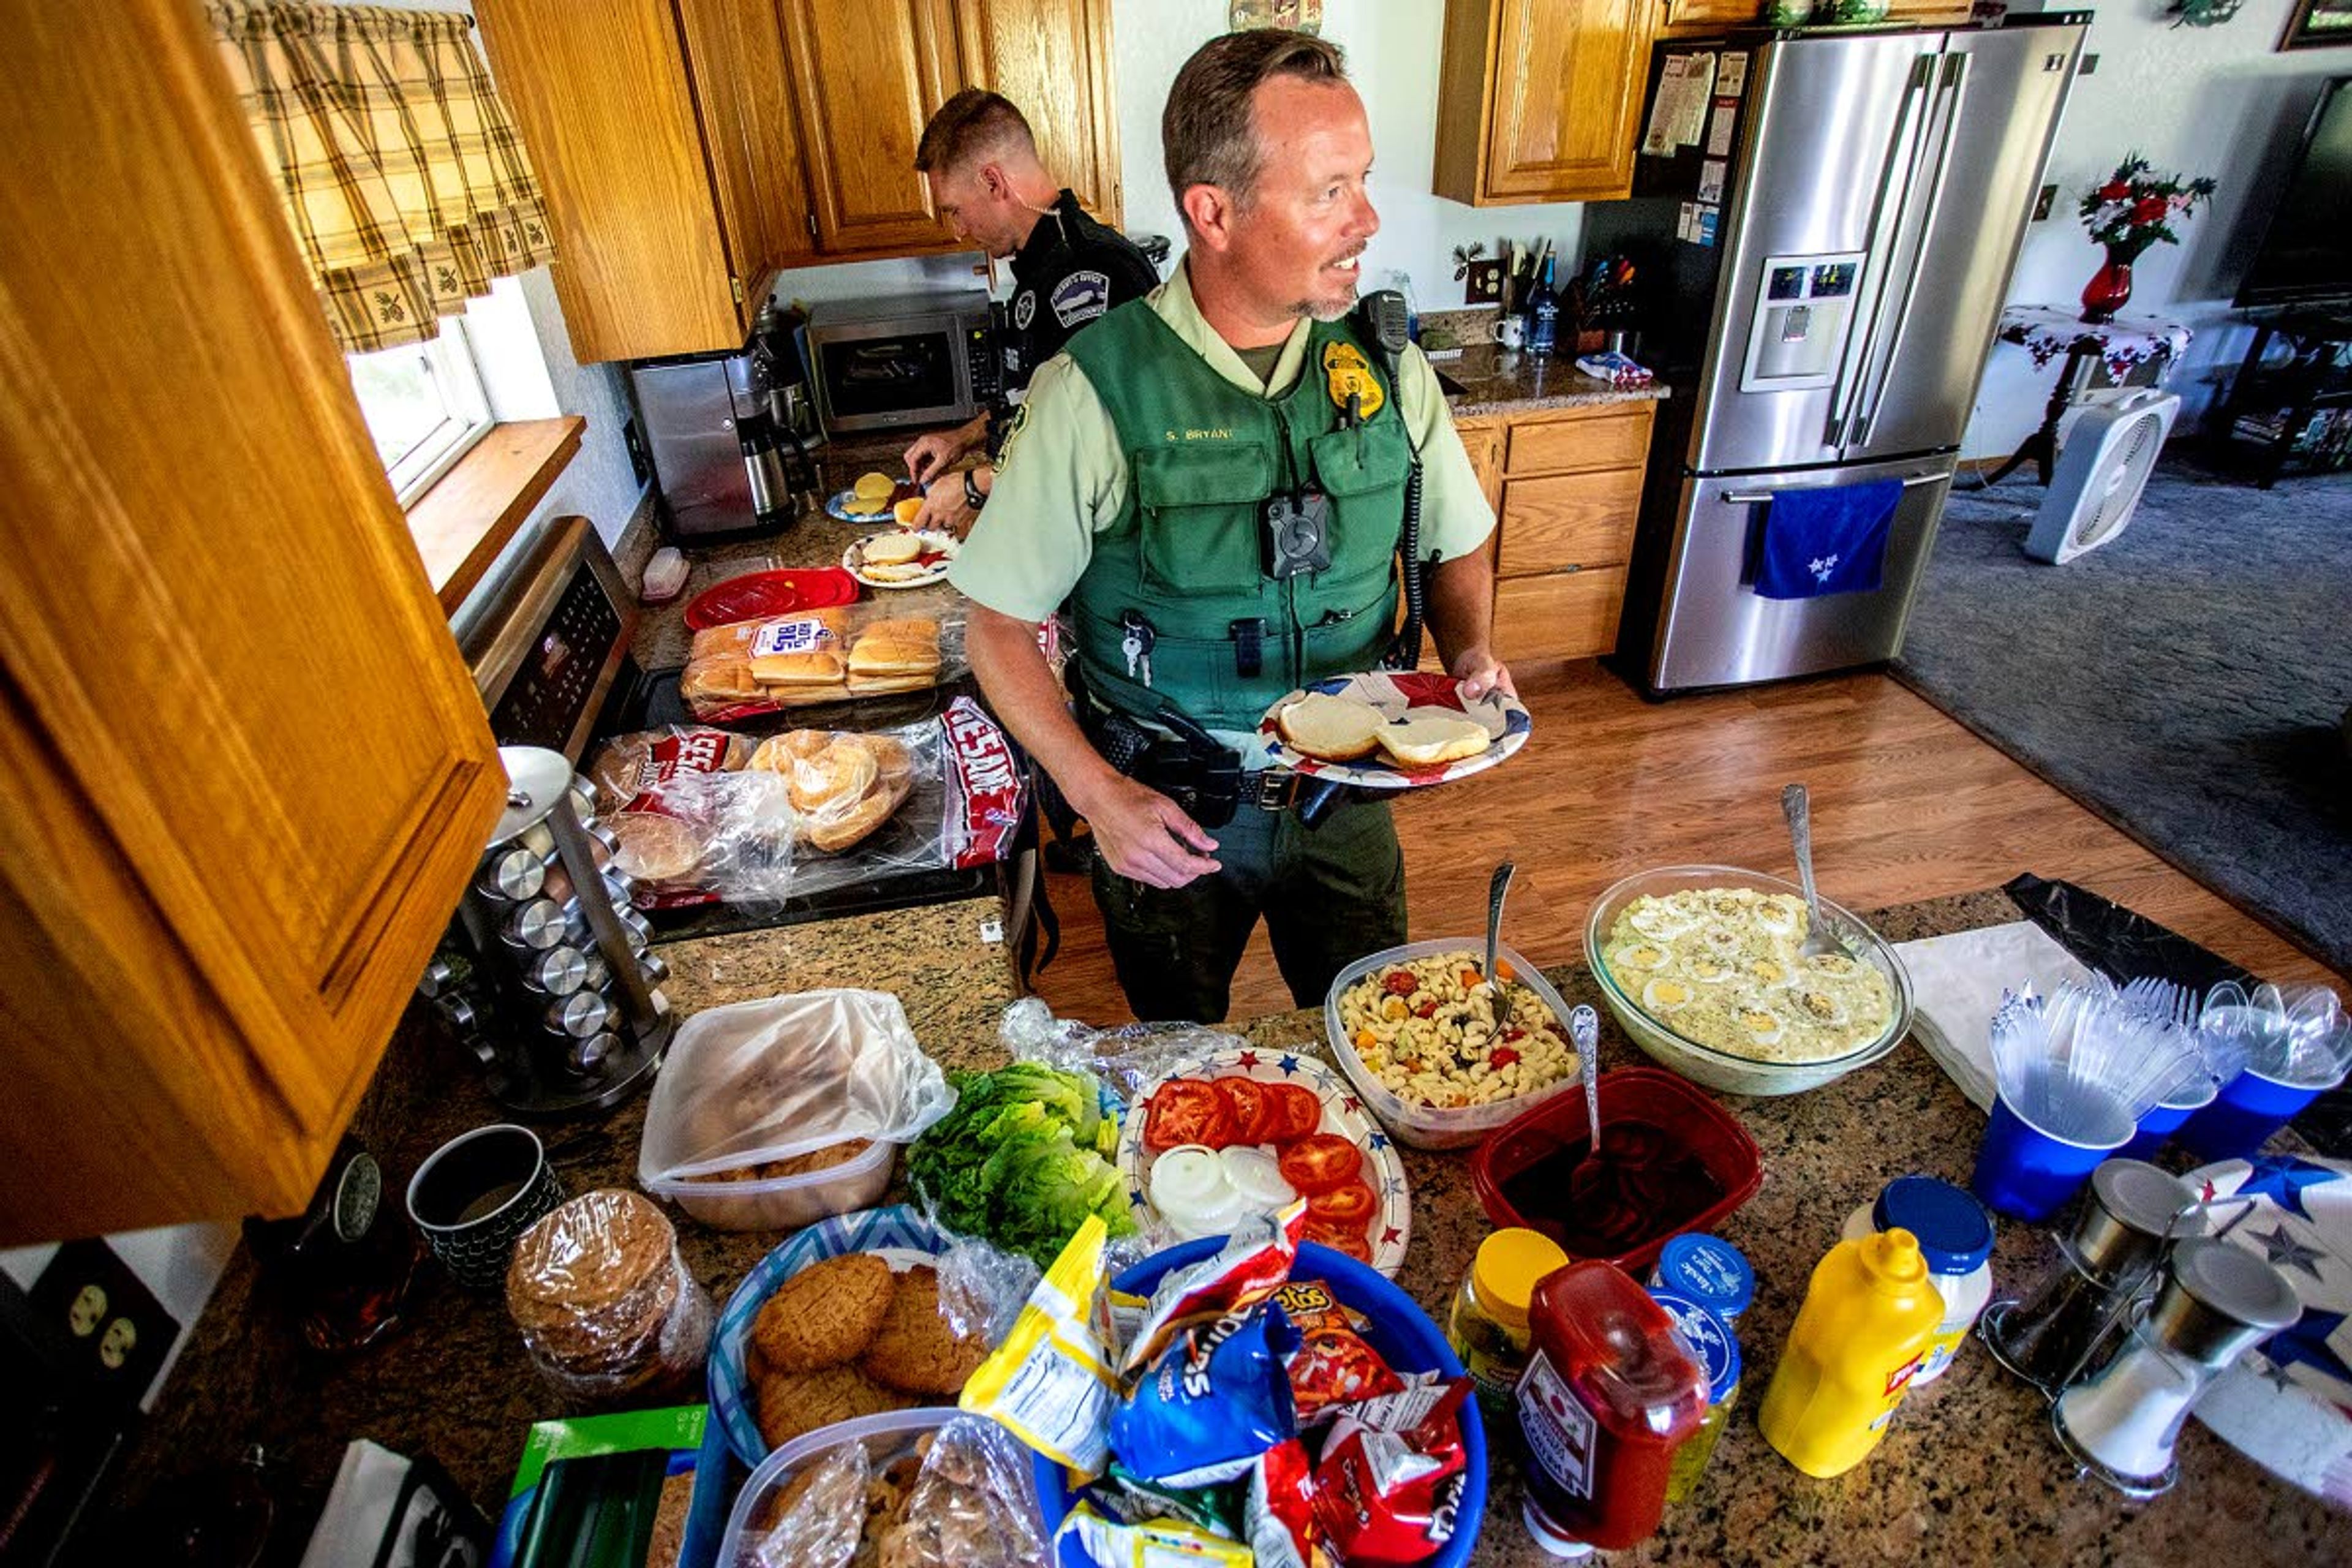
x,y
1870,1314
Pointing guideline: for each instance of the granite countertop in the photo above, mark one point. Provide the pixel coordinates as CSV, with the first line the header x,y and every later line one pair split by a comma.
x,y
1496,381
1969,1473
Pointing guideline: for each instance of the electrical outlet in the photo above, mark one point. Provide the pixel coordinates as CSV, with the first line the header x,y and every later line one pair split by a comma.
x,y
641,462
2041,204
118,1331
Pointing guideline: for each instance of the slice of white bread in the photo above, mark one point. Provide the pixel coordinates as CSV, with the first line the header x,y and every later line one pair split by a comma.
x,y
1425,737
1335,729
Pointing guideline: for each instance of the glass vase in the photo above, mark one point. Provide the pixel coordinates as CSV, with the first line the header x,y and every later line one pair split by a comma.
x,y
2108,290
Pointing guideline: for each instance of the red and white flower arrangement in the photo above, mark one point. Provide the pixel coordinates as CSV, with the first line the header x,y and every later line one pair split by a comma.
x,y
2136,208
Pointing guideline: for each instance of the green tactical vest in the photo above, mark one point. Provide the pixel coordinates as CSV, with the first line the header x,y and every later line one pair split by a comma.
x,y
1185,551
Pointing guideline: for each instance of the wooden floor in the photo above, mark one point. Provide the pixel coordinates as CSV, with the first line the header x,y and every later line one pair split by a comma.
x,y
1907,804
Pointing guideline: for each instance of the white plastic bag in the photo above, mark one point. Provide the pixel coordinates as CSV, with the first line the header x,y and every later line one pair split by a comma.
x,y
768,1079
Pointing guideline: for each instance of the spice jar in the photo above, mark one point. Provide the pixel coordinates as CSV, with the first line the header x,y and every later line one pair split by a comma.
x,y
1489,1325
2217,1302
1711,1343
2061,1330
1955,1236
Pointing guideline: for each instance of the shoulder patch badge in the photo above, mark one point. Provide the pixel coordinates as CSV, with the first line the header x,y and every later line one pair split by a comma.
x,y
1081,297
1024,309
1346,370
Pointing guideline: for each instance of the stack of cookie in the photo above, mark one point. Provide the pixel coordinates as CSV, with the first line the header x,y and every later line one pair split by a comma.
x,y
847,1337
606,1304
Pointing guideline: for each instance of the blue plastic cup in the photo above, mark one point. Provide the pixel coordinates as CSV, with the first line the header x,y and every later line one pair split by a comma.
x,y
2157,1128
2028,1172
2241,1118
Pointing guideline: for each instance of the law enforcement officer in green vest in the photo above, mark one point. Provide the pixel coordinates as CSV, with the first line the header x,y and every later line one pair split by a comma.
x,y
1210,481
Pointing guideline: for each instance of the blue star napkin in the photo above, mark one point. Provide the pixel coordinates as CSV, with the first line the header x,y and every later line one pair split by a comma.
x,y
1826,540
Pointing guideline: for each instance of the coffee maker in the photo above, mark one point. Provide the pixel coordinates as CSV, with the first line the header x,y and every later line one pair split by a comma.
x,y
729,434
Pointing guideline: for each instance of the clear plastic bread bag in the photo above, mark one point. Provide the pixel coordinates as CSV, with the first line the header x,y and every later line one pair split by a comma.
x,y
780,1076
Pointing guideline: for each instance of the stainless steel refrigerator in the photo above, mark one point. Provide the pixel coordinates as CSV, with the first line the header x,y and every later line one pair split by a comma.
x,y
1874,190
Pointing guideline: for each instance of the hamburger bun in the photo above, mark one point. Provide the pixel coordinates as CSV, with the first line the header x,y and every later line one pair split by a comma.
x,y
1425,738
907,510
892,549
1334,729
873,489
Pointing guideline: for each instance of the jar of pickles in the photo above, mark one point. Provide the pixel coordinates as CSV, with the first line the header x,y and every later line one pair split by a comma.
x,y
1489,1325
1716,1348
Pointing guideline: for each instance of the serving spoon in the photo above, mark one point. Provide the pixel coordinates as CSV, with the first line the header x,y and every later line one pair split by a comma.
x,y
1495,891
1584,1030
1798,809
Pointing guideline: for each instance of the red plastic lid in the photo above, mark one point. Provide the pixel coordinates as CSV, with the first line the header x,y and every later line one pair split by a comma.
x,y
756,596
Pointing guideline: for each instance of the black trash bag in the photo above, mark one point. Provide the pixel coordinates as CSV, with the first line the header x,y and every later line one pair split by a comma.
x,y
2120,944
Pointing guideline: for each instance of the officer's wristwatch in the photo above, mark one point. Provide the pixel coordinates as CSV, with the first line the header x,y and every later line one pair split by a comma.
x,y
973,496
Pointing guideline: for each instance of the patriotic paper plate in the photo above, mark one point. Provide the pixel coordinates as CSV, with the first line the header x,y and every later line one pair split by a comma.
x,y
1394,693
1390,1226
937,554
2287,1406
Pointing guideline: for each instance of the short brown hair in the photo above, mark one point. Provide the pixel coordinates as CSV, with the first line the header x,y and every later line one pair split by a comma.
x,y
1207,131
973,123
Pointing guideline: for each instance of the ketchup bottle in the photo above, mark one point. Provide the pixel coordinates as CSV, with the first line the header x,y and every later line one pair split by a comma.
x,y
1608,1396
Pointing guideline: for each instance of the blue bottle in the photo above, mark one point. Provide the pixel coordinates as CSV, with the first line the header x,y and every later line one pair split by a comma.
x,y
1543,313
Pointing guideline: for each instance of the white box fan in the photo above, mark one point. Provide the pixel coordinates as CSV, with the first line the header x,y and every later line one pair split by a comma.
x,y
2102,469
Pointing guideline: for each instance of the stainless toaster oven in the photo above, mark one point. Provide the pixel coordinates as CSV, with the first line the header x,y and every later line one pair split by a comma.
x,y
915,359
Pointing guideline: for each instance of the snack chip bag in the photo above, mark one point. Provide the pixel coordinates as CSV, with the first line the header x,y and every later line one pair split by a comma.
x,y
1335,1364
1393,1497
1050,1383
1216,1398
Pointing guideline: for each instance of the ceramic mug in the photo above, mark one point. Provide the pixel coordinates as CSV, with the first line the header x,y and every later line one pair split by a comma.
x,y
473,1196
1510,331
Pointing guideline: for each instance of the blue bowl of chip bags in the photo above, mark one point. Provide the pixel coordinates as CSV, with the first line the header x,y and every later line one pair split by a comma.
x,y
1396,1327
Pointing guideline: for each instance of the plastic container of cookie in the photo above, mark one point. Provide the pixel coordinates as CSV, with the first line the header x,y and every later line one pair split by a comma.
x,y
893,1445
757,1119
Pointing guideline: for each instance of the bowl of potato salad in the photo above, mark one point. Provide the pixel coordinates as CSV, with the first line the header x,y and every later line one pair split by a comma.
x,y
1415,1030
1701,965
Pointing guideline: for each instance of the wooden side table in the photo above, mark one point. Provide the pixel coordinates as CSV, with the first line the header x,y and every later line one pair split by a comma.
x,y
2123,346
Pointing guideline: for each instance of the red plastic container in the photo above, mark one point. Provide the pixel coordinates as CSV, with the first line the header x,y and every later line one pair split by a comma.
x,y
1649,1104
780,591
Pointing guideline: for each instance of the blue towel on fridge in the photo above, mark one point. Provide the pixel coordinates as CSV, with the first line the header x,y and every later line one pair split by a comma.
x,y
1827,540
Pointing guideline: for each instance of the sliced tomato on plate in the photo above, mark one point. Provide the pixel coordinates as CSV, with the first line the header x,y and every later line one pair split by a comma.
x,y
1346,1238
1352,1204
1257,1111
1187,1110
1302,1113
1321,1162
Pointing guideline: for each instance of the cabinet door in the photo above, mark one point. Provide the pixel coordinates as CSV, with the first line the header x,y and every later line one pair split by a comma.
x,y
600,91
1565,615
1692,18
244,775
1052,58
735,49
867,75
1540,101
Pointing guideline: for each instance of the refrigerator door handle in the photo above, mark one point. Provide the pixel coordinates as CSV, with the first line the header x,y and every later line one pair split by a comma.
x,y
1954,88
1758,498
1893,182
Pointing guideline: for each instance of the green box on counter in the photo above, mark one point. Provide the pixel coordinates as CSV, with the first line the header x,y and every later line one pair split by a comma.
x,y
642,1489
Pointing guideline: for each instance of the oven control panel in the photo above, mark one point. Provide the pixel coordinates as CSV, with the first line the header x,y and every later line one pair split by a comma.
x,y
547,641
557,679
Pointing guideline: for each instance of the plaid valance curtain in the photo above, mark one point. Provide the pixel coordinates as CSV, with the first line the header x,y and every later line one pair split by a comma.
x,y
403,181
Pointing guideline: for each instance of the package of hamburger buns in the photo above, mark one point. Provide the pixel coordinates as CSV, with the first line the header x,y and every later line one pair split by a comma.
x,y
748,668
810,810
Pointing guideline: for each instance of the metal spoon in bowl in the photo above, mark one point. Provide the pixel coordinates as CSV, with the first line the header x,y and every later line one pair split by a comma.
x,y
1495,891
1584,1030
1798,809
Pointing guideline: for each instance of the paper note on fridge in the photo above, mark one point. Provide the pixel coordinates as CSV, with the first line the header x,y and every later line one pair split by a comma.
x,y
1718,128
1710,180
1678,117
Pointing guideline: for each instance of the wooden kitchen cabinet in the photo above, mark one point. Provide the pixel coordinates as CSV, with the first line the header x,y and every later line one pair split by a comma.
x,y
1702,18
1571,488
1540,101
670,214
244,773
691,149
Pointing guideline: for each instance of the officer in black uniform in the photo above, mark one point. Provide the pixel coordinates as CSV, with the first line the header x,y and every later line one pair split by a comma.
x,y
980,163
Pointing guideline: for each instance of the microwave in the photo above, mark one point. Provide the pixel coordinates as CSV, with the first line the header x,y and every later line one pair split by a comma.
x,y
915,359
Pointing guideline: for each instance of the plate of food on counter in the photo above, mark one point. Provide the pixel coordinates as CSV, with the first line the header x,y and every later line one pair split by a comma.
x,y
876,498
1393,729
1246,1129
899,558
842,1320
